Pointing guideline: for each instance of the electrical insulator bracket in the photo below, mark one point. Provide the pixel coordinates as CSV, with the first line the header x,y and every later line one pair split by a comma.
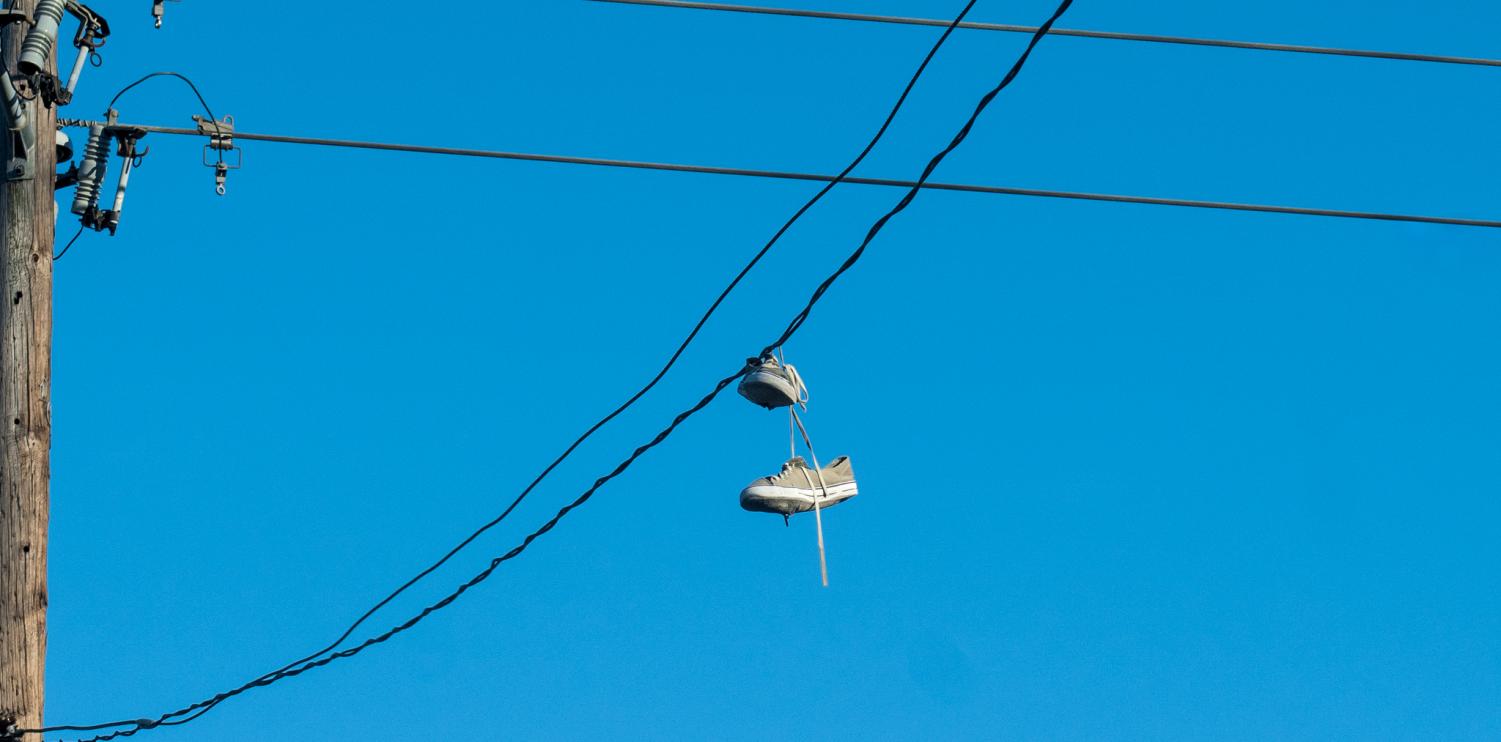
x,y
221,139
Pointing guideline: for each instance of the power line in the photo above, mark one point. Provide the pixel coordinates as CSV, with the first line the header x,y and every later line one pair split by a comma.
x,y
205,707
793,327
1112,35
184,78
789,175
796,324
69,246
673,359
153,75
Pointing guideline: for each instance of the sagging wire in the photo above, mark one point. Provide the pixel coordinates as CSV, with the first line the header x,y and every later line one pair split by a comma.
x,y
792,328
68,246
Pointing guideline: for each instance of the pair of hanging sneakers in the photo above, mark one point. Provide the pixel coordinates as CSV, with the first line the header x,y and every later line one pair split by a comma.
x,y
771,384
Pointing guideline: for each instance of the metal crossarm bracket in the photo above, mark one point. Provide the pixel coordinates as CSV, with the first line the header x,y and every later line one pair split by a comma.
x,y
221,134
19,163
221,139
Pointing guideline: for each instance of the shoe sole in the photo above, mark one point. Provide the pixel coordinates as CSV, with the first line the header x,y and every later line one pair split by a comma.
x,y
767,390
765,498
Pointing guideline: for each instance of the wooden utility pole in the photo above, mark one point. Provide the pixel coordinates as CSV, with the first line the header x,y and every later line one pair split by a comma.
x,y
27,217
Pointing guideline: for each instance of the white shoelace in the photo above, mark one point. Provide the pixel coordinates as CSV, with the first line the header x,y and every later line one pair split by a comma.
x,y
800,390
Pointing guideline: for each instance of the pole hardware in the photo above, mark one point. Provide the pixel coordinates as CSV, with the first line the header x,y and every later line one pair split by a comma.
x,y
221,139
21,136
64,147
222,168
92,31
90,175
36,50
13,15
159,8
221,133
127,139
22,132
65,154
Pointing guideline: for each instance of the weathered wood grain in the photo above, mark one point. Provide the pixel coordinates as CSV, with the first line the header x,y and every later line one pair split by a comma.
x,y
27,209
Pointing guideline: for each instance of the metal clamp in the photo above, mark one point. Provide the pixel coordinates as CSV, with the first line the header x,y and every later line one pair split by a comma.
x,y
21,128
159,8
221,139
221,133
13,15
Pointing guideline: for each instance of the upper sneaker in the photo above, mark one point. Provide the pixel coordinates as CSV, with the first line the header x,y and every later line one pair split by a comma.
x,y
794,490
772,384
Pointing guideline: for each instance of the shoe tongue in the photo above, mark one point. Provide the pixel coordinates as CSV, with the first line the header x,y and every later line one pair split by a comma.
x,y
795,462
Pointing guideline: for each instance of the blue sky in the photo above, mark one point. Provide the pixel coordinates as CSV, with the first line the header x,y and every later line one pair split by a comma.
x,y
1127,472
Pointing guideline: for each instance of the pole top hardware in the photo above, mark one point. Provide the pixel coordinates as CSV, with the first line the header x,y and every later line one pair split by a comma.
x,y
92,29
221,133
158,9
221,139
126,137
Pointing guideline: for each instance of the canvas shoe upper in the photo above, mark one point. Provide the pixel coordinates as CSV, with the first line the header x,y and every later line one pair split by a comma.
x,y
794,489
771,384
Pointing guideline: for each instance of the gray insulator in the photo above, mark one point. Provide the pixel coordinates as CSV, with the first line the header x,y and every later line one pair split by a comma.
x,y
36,51
15,107
91,170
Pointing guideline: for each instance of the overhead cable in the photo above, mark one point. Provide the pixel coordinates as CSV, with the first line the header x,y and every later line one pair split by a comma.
x,y
792,328
200,709
858,180
1111,35
672,359
69,246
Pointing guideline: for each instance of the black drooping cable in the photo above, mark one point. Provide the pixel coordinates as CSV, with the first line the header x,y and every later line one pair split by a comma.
x,y
673,359
68,246
671,362
796,324
211,117
178,75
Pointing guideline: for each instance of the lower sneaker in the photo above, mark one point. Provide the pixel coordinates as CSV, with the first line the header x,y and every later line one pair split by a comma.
x,y
795,489
772,384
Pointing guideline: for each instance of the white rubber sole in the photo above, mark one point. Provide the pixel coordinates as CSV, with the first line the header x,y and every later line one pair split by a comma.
x,y
765,498
767,389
